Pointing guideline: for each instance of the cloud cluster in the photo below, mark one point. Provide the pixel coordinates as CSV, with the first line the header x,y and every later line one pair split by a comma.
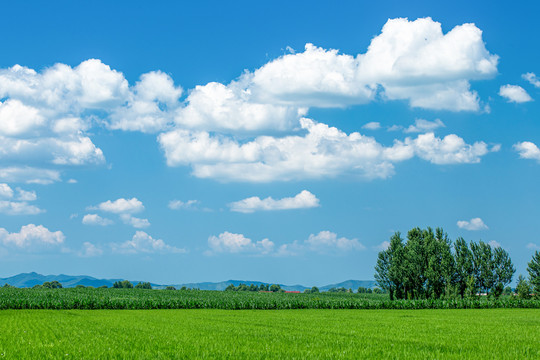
x,y
31,236
474,224
532,78
323,151
253,127
528,150
302,200
324,242
514,93
144,243
16,202
124,208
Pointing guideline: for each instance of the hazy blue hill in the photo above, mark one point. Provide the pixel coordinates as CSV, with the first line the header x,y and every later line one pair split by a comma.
x,y
31,279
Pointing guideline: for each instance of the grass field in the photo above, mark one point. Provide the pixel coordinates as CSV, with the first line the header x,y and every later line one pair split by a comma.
x,y
134,299
249,334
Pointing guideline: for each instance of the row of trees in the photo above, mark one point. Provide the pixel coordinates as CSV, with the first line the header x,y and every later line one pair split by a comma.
x,y
128,285
429,265
525,288
253,287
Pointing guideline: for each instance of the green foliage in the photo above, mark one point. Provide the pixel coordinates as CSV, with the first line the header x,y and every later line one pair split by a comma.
x,y
170,288
523,288
123,285
143,285
52,285
427,266
533,268
364,290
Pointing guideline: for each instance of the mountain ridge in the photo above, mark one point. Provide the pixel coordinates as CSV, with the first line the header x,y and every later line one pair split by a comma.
x,y
24,280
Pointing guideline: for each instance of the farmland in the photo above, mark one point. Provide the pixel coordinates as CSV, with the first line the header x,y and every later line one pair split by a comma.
x,y
91,299
421,334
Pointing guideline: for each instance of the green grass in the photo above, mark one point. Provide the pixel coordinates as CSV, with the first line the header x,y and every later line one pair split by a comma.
x,y
90,299
249,334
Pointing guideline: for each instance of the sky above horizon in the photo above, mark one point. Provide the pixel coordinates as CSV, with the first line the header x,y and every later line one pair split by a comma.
x,y
279,142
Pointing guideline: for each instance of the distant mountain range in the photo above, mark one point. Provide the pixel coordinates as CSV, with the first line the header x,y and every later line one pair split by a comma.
x,y
31,279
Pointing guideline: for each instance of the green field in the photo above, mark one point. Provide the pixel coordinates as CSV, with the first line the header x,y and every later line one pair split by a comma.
x,y
134,299
249,334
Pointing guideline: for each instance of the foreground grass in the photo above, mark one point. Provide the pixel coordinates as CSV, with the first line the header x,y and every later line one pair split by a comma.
x,y
249,334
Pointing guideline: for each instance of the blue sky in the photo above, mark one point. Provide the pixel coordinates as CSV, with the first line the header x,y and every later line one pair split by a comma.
x,y
273,141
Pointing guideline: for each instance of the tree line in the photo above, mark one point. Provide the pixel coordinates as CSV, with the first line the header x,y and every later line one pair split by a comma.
x,y
429,265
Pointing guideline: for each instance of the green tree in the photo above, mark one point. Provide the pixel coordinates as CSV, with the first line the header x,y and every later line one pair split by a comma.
x,y
503,271
52,285
533,268
170,288
314,290
483,266
523,288
275,288
144,285
440,270
464,269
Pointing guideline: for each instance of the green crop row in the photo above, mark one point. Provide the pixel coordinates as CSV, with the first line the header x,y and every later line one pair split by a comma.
x,y
13,298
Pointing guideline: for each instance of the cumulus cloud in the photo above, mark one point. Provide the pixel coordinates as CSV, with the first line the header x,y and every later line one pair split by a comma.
x,y
179,204
29,175
382,246
421,125
95,219
6,191
18,208
472,225
23,195
327,240
30,236
90,250
527,150
514,93
372,126
323,242
532,78
227,242
409,60
302,200
121,206
323,151
135,221
142,243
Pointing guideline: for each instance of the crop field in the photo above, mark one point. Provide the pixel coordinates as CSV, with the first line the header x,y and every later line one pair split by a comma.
x,y
90,299
250,334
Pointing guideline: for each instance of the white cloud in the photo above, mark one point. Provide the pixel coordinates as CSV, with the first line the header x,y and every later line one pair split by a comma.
x,y
30,236
323,242
302,200
533,246
421,125
29,175
121,206
527,150
494,244
90,250
382,246
322,152
179,204
472,225
410,60
6,191
532,78
23,195
151,107
229,108
137,223
327,240
95,219
18,208
372,126
227,242
514,93
144,243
